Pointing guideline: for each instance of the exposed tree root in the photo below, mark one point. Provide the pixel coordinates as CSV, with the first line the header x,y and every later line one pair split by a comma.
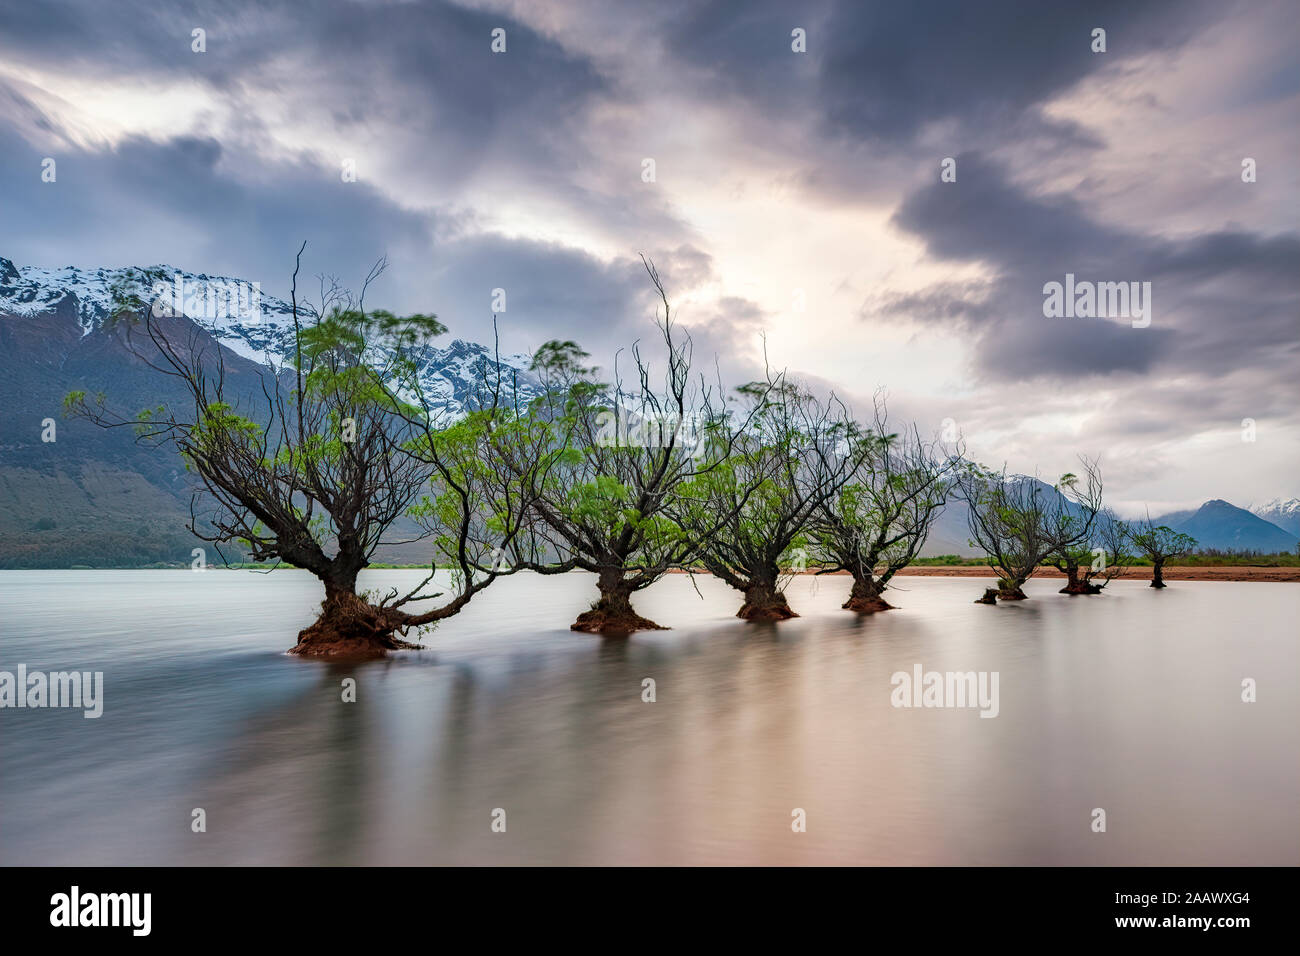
x,y
766,612
350,628
765,603
614,616
867,605
1080,587
601,621
866,597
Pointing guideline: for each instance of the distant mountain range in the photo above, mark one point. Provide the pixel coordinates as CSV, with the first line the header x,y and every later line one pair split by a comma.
x,y
96,498
1216,525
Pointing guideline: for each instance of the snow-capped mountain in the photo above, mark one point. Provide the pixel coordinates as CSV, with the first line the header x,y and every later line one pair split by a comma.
x,y
72,494
1283,512
254,325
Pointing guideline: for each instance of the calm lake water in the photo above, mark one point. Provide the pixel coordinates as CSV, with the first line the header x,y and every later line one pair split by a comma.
x,y
1130,701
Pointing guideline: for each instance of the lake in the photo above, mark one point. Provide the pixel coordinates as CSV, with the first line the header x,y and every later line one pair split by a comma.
x,y
1130,702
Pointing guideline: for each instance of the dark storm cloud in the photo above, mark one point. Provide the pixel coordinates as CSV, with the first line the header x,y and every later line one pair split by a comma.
x,y
891,68
414,83
882,72
984,217
555,291
175,199
550,290
371,70
1221,301
422,75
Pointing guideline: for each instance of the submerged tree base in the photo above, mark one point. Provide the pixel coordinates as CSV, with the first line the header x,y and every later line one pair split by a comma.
x,y
765,604
765,612
1012,594
867,596
1081,587
349,628
614,618
990,596
348,647
867,605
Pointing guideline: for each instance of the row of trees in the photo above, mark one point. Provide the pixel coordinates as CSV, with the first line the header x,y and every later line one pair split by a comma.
x,y
1021,523
340,451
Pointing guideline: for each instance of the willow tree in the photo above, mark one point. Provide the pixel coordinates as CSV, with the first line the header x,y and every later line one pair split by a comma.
x,y
1112,548
1019,521
617,456
753,514
878,522
1090,563
1159,543
318,464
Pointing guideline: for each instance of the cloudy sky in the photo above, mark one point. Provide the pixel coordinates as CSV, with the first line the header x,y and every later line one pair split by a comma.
x,y
796,199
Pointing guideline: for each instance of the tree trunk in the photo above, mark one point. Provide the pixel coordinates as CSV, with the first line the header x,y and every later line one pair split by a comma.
x,y
990,596
1157,575
1012,589
349,627
866,595
1076,584
763,602
613,614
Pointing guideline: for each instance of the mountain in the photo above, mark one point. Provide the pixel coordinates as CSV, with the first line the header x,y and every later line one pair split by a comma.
x,y
1216,525
1285,513
949,534
1221,526
235,312
95,497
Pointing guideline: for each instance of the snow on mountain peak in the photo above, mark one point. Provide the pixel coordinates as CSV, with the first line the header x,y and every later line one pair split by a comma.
x,y
211,301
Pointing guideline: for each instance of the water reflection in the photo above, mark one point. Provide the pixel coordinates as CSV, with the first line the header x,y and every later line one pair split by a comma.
x,y
1129,701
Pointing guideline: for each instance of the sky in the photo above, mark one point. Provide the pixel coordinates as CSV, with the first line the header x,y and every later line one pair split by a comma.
x,y
798,212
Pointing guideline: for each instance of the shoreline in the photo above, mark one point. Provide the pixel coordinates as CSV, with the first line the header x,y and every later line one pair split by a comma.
x,y
1139,573
1171,573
